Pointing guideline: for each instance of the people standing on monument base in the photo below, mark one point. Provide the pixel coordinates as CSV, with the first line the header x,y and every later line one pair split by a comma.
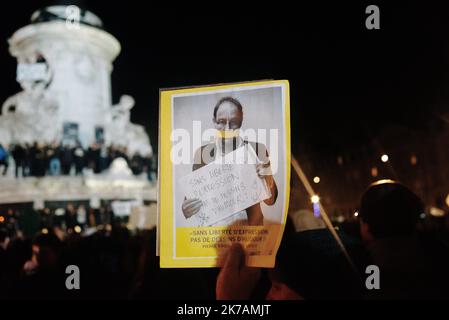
x,y
54,162
66,159
137,164
79,158
55,159
105,158
4,159
18,153
40,161
93,158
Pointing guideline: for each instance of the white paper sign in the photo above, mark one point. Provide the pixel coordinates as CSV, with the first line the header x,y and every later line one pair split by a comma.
x,y
31,71
226,186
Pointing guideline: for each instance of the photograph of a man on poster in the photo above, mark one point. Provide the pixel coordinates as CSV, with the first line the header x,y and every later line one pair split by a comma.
x,y
236,124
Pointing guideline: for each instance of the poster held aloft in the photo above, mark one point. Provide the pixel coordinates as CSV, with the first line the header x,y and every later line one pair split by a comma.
x,y
234,185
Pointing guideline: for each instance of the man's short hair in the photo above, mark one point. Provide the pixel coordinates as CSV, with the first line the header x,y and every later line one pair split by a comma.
x,y
390,210
232,100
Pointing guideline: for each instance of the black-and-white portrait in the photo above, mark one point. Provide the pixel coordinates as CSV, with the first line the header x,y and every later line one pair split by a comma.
x,y
229,156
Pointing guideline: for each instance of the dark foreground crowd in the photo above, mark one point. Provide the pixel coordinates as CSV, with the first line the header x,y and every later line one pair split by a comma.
x,y
412,255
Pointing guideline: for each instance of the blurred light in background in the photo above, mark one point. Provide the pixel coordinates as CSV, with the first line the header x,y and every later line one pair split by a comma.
x,y
382,181
340,160
437,212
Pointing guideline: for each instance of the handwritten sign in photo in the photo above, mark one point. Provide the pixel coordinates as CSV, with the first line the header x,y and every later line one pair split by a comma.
x,y
226,186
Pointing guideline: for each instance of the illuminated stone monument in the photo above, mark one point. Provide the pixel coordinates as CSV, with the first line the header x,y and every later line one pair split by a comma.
x,y
64,69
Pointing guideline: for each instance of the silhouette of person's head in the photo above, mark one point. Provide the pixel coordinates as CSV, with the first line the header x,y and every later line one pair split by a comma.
x,y
47,249
389,209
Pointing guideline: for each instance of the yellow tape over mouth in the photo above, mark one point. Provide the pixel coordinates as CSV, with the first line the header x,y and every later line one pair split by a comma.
x,y
227,134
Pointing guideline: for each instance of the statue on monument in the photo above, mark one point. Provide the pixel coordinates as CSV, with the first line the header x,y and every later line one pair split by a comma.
x,y
30,114
123,132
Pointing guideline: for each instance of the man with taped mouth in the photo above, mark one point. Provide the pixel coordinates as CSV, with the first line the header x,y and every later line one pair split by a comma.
x,y
228,118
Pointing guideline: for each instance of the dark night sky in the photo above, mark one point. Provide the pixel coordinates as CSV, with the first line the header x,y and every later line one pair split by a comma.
x,y
347,83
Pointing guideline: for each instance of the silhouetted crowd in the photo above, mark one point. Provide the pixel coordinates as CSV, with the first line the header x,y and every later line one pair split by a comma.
x,y
411,252
38,160
27,221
